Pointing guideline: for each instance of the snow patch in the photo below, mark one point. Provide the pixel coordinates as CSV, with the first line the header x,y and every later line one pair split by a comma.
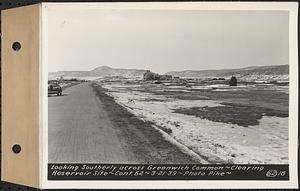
x,y
266,143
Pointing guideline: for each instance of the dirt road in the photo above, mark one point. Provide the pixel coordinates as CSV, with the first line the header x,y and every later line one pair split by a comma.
x,y
86,125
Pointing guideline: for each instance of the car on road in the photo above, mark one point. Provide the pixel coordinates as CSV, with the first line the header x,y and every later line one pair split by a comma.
x,y
54,88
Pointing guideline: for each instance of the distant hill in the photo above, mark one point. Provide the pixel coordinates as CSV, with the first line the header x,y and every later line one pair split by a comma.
x,y
99,72
253,73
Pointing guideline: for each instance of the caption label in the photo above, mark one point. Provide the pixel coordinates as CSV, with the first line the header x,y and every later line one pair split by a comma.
x,y
166,172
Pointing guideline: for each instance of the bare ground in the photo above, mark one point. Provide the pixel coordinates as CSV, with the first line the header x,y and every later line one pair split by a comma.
x,y
242,115
242,107
145,141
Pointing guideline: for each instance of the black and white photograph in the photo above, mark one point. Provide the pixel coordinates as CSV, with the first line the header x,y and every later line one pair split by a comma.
x,y
169,87
155,86
149,95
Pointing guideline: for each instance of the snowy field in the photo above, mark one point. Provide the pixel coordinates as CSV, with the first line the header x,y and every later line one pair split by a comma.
x,y
214,141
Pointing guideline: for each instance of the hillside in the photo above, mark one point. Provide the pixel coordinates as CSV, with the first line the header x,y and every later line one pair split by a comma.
x,y
255,73
99,72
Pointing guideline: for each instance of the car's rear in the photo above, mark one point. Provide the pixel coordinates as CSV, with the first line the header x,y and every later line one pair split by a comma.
x,y
54,89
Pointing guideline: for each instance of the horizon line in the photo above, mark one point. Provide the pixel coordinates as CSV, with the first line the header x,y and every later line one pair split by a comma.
x,y
168,71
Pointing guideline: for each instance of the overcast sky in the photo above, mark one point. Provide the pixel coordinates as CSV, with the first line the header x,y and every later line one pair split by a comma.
x,y
165,41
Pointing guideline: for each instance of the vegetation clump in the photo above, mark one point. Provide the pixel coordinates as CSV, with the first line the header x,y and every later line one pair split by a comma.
x,y
231,113
233,81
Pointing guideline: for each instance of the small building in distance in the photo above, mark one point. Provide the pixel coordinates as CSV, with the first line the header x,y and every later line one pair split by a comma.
x,y
233,81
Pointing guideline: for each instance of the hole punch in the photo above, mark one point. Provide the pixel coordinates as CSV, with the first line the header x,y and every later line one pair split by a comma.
x,y
16,46
16,149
